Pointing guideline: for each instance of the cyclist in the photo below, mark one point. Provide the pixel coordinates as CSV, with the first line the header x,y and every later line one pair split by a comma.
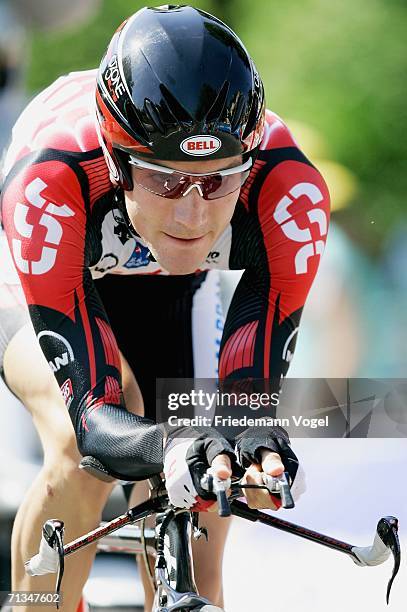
x,y
117,222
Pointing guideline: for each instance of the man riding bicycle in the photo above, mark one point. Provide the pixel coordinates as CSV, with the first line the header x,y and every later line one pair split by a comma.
x,y
126,189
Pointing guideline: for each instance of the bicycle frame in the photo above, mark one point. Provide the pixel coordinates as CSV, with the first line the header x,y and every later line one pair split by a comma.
x,y
174,576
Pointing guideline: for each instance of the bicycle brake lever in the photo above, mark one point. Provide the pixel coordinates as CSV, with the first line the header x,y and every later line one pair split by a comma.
x,y
223,502
53,532
212,484
280,484
387,529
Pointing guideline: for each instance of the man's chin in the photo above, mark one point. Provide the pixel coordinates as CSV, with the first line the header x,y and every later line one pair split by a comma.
x,y
180,269
178,266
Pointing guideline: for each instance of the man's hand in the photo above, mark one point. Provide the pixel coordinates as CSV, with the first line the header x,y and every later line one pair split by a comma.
x,y
272,465
185,462
268,450
221,467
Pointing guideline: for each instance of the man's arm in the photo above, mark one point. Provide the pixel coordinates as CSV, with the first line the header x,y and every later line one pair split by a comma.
x,y
279,232
284,229
284,226
45,216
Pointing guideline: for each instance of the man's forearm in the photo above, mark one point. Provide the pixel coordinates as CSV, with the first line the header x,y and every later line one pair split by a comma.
x,y
129,446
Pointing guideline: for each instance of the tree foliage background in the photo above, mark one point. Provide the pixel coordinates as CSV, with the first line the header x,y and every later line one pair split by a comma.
x,y
337,66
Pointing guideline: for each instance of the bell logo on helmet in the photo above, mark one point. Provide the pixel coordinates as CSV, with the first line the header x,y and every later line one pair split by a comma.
x,y
200,145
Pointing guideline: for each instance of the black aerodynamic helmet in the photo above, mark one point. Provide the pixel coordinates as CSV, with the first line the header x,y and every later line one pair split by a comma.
x,y
176,84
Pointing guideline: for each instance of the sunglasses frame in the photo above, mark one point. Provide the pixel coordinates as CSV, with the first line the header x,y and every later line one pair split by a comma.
x,y
135,161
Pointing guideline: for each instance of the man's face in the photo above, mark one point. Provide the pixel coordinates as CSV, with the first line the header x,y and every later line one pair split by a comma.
x,y
181,232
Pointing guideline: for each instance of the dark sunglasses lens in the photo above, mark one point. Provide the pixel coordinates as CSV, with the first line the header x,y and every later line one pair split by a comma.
x,y
219,186
214,186
159,183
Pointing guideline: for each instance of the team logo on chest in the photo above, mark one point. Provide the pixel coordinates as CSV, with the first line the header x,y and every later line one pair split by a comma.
x,y
139,256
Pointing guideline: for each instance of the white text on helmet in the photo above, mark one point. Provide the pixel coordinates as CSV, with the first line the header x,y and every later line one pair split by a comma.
x,y
113,79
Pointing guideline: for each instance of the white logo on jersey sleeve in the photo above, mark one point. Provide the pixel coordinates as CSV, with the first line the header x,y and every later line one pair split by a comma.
x,y
297,234
25,228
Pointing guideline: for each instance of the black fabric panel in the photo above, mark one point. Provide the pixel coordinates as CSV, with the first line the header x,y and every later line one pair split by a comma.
x,y
250,300
151,319
248,252
275,156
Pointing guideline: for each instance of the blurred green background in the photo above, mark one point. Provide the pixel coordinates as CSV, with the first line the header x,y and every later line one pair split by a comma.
x,y
337,67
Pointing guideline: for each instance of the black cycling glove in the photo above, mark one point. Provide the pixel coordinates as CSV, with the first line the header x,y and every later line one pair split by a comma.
x,y
251,441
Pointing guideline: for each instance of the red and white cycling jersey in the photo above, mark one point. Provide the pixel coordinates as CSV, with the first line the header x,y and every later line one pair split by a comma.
x,y
64,226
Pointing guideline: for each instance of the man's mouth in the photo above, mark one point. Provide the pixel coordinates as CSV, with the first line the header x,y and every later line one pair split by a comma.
x,y
182,240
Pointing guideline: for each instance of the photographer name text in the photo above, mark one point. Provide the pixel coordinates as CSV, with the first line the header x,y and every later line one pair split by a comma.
x,y
246,421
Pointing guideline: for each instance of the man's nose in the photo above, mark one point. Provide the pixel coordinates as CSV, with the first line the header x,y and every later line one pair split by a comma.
x,y
191,210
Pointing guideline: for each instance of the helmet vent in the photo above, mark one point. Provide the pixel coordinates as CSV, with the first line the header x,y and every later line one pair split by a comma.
x,y
152,113
217,107
253,116
176,109
135,124
236,118
164,8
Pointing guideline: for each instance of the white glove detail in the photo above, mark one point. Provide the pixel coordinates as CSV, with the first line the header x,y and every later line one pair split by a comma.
x,y
178,480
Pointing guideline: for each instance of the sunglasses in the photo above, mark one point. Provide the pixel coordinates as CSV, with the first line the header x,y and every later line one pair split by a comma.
x,y
169,183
